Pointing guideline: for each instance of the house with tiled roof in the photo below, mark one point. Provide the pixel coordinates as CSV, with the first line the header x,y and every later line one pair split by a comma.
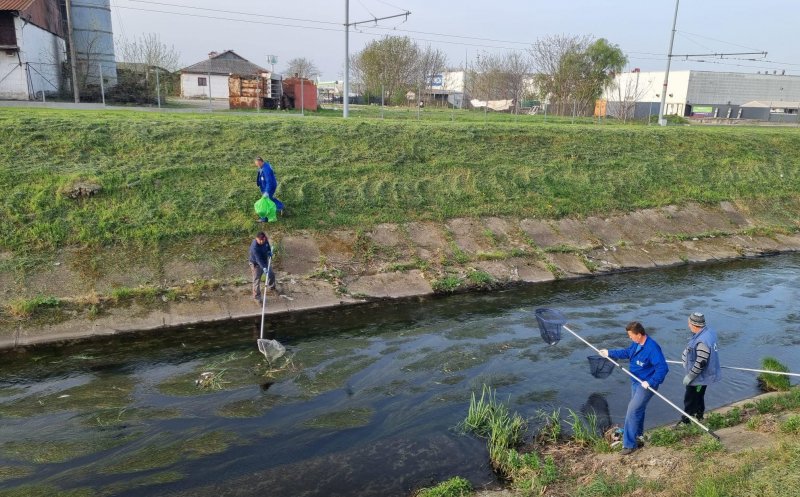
x,y
211,75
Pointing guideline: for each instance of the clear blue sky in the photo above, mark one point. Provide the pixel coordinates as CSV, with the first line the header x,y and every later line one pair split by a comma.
x,y
640,27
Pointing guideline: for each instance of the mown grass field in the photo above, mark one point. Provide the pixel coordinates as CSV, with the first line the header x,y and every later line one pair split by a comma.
x,y
176,176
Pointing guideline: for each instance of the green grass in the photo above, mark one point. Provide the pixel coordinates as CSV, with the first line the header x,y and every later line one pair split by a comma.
x,y
447,284
770,382
179,176
732,417
24,308
486,417
610,486
454,487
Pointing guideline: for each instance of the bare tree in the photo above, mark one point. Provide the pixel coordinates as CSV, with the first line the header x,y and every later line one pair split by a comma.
x,y
484,78
516,76
148,51
573,71
302,67
429,63
623,95
552,78
500,77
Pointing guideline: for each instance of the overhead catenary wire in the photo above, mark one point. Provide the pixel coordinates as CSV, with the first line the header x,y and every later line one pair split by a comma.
x,y
225,11
633,54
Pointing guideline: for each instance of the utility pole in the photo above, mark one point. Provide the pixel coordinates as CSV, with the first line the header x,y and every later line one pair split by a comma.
x,y
347,24
209,84
158,89
661,120
670,55
102,86
346,92
72,60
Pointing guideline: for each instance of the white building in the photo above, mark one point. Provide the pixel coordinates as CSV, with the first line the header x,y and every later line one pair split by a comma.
x,y
705,94
32,49
211,75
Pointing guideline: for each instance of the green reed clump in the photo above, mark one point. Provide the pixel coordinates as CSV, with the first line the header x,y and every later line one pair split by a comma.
x,y
773,382
454,487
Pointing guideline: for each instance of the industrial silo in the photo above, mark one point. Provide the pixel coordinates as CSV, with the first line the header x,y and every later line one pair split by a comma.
x,y
94,41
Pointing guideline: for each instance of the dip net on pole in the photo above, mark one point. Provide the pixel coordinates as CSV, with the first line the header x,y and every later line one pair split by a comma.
x,y
550,323
599,366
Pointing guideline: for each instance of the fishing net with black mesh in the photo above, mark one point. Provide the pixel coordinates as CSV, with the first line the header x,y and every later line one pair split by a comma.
x,y
550,323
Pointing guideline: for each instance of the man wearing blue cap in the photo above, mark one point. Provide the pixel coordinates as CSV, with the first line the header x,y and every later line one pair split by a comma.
x,y
701,363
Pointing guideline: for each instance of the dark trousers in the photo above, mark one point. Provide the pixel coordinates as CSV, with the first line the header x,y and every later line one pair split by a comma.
x,y
257,271
694,402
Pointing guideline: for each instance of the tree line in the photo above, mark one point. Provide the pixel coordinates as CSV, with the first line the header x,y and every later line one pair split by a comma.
x,y
569,72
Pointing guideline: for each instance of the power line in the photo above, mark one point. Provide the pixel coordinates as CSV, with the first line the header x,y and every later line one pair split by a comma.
x,y
181,6
363,31
234,12
720,41
695,42
248,21
119,20
217,18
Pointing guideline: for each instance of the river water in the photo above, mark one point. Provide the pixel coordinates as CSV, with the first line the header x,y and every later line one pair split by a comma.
x,y
369,403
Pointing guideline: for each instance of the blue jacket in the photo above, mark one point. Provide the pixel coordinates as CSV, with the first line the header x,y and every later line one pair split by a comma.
x,y
648,364
266,180
713,371
260,254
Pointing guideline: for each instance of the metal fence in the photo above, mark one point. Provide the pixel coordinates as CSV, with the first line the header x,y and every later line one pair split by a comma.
x,y
125,84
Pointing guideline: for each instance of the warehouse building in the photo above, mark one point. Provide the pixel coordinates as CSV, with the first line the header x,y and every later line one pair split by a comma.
x,y
773,97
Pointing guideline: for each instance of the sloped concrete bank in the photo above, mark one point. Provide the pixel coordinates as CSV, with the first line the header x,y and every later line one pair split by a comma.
x,y
390,261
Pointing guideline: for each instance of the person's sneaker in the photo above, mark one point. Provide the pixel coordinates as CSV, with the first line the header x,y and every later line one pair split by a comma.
x,y
263,220
680,424
627,452
639,442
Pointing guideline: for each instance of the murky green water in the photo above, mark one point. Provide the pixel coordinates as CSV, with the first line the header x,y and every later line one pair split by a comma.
x,y
368,402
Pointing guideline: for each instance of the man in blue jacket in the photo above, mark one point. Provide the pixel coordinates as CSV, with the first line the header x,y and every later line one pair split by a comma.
x,y
701,363
647,363
267,183
260,255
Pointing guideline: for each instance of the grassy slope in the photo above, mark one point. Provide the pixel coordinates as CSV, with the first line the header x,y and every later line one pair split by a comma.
x,y
170,176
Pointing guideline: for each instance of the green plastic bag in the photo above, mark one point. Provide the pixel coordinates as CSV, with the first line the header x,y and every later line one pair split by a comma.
x,y
265,208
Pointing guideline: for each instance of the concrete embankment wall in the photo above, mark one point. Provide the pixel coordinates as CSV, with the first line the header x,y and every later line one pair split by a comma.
x,y
322,270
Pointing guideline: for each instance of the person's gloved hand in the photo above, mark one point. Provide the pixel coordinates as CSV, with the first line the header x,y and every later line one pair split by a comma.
x,y
645,385
603,352
686,380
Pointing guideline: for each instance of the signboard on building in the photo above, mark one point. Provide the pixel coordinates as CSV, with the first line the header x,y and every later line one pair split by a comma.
x,y
437,81
702,110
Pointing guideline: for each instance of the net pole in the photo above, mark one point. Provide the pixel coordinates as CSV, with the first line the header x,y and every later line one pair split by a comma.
x,y
264,297
748,369
655,392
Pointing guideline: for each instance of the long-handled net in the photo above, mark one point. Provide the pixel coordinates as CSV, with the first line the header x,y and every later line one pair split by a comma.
x,y
600,367
550,319
272,349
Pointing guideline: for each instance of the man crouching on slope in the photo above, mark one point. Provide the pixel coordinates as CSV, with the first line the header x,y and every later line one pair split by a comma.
x,y
260,255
